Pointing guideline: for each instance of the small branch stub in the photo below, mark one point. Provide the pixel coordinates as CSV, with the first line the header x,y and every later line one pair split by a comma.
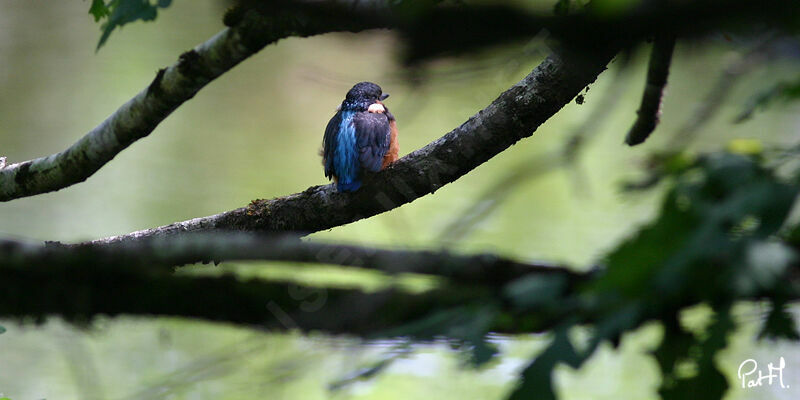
x,y
650,109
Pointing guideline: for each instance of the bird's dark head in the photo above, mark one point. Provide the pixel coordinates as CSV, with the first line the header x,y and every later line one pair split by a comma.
x,y
362,95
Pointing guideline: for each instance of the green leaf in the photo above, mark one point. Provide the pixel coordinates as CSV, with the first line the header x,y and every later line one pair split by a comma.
x,y
674,346
610,8
702,379
707,233
537,378
121,12
562,7
471,334
614,324
2,331
565,7
98,10
792,235
779,324
480,351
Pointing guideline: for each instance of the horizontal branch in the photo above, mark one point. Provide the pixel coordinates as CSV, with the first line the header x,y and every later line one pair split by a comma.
x,y
84,281
235,246
81,293
171,87
514,115
81,281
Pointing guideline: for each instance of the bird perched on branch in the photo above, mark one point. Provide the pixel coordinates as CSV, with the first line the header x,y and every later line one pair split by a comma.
x,y
360,138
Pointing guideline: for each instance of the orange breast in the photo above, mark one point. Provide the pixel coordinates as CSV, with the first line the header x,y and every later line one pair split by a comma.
x,y
394,147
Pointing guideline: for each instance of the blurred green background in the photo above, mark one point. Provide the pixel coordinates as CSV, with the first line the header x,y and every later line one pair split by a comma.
x,y
255,133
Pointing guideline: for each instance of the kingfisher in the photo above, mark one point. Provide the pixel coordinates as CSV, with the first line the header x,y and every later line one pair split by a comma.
x,y
360,138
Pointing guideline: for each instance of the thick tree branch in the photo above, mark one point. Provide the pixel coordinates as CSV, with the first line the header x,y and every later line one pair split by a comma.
x,y
516,114
171,87
154,253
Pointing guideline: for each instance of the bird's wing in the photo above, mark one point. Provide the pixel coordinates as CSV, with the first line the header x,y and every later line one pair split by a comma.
x,y
372,138
329,143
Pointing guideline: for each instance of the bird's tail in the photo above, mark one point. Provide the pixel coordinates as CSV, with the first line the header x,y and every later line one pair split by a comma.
x,y
348,186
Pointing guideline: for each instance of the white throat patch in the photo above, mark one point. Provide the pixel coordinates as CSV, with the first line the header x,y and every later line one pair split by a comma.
x,y
376,108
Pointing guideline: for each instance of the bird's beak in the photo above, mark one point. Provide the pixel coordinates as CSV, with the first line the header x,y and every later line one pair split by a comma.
x,y
384,96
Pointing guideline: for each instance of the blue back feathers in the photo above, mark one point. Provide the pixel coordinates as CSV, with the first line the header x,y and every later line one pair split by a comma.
x,y
345,155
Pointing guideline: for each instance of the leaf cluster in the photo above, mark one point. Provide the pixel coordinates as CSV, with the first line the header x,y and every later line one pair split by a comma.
x,y
722,235
117,13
